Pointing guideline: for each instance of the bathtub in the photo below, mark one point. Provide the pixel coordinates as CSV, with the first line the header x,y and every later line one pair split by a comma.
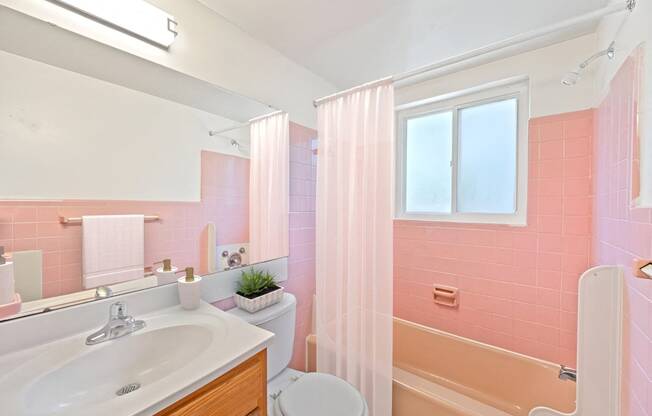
x,y
439,374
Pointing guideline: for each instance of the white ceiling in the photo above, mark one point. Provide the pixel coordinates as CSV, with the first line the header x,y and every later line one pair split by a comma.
x,y
349,42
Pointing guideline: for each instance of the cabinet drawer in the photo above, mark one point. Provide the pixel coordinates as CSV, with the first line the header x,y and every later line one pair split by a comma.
x,y
240,392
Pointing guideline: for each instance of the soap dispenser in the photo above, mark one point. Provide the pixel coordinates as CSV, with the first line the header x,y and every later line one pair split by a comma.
x,y
166,274
6,279
189,289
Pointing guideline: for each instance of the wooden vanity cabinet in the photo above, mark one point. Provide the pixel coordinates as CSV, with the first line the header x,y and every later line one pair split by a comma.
x,y
240,392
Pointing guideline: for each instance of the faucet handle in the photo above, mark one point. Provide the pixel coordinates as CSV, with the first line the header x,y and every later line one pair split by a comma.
x,y
118,310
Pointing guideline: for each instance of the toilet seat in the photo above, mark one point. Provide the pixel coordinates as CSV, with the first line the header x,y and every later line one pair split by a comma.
x,y
318,394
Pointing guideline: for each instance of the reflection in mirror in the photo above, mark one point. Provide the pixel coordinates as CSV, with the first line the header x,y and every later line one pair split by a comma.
x,y
107,189
636,59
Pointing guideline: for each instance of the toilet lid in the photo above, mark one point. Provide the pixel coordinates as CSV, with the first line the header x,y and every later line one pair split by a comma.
x,y
318,394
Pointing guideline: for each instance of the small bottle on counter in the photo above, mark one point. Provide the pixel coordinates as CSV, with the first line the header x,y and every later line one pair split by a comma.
x,y
166,274
189,289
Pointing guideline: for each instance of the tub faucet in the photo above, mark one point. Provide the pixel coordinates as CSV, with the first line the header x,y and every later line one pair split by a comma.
x,y
567,373
119,325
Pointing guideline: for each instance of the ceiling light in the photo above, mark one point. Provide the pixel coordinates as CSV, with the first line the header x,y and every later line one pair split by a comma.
x,y
137,18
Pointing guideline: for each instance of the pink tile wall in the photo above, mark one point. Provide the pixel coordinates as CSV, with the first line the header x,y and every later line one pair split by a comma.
x,y
518,285
301,263
622,233
224,200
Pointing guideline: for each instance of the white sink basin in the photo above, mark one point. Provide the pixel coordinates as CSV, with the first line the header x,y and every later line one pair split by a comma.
x,y
168,358
142,358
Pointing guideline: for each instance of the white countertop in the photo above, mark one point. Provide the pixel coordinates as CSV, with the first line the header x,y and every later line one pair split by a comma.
x,y
178,352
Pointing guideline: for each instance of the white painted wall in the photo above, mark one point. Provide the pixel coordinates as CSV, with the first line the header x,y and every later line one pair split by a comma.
x,y
629,30
209,48
544,66
68,136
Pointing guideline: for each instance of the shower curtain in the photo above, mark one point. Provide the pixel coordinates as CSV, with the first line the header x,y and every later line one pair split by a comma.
x,y
269,188
354,241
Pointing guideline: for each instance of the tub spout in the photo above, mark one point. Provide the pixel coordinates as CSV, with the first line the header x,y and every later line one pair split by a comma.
x,y
567,373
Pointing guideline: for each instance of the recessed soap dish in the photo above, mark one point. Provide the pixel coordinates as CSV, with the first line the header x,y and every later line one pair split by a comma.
x,y
445,295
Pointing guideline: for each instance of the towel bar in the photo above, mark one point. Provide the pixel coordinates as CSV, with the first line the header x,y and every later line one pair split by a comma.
x,y
78,220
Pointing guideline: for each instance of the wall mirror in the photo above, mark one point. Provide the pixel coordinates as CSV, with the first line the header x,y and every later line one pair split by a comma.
x,y
105,175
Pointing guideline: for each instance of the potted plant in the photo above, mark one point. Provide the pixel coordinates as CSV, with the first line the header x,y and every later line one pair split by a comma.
x,y
257,290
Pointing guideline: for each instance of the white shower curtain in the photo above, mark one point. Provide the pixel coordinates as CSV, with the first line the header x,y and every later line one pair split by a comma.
x,y
354,241
269,188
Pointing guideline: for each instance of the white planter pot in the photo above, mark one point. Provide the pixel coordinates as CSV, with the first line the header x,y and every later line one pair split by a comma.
x,y
261,302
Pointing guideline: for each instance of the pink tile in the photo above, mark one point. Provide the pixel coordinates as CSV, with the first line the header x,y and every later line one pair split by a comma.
x,y
51,229
525,241
579,225
551,243
51,274
551,150
49,244
580,147
47,214
6,215
553,168
51,289
25,214
548,297
580,127
549,279
6,231
550,205
578,206
551,131
24,230
549,261
550,188
550,224
577,167
52,259
577,187
23,244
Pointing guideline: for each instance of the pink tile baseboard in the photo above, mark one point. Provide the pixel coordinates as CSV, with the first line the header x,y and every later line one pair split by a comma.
x,y
517,285
225,196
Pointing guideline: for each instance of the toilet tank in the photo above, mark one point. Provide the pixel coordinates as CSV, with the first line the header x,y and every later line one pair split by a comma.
x,y
280,320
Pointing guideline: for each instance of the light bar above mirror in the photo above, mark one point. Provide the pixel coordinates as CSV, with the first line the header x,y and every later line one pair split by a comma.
x,y
137,18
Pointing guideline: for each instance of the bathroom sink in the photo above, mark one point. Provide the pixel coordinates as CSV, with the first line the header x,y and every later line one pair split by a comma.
x,y
128,375
136,361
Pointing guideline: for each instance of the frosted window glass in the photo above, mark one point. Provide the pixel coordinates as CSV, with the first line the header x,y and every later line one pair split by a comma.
x,y
428,168
487,158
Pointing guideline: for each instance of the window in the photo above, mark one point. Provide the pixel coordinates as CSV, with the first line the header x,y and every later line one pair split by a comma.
x,y
463,157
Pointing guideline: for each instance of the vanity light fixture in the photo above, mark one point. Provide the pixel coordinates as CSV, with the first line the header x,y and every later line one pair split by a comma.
x,y
137,18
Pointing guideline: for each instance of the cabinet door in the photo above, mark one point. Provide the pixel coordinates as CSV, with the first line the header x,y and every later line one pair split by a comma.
x,y
240,392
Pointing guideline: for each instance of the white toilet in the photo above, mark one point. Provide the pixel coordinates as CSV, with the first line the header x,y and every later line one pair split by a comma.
x,y
291,392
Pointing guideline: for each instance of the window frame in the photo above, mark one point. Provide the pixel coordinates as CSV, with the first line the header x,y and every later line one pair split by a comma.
x,y
517,88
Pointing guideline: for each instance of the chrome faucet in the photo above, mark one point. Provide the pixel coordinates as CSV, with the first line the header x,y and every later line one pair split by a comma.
x,y
119,325
567,373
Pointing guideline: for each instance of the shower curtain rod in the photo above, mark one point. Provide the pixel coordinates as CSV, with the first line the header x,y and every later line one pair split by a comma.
x,y
242,125
496,46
